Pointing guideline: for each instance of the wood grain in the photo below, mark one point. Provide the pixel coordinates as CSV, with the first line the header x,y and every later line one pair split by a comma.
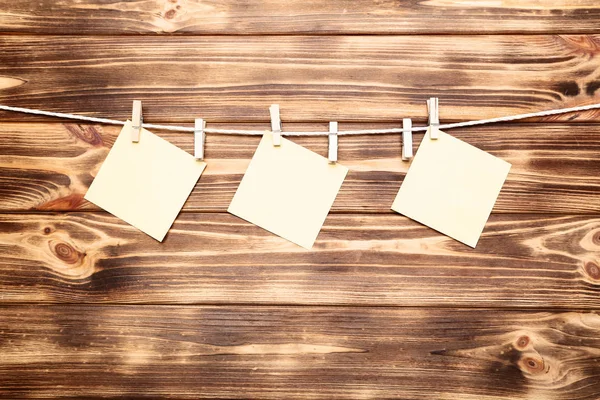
x,y
195,17
520,261
556,167
314,79
297,353
382,307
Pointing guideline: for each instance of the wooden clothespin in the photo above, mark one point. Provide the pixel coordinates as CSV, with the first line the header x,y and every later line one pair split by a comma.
x,y
275,124
407,146
199,138
433,107
333,142
136,121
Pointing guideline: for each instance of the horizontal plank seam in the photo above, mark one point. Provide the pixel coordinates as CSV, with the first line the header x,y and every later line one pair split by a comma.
x,y
308,34
5,304
339,212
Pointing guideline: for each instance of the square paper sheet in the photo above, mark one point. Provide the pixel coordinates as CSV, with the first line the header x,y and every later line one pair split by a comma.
x,y
451,187
146,183
288,190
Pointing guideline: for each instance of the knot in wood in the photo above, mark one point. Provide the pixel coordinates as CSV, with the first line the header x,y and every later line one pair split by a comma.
x,y
592,270
532,364
88,134
523,342
65,252
70,202
596,238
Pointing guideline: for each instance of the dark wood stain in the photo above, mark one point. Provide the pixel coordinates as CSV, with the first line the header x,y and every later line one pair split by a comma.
x,y
315,78
556,168
592,87
570,89
368,259
382,307
241,352
262,17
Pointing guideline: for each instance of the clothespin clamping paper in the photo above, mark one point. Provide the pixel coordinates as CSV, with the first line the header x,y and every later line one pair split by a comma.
x,y
407,145
433,108
333,142
275,124
199,138
136,121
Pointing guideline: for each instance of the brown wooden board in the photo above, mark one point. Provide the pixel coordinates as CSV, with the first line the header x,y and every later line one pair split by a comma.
x,y
314,79
313,17
556,167
80,351
382,307
520,261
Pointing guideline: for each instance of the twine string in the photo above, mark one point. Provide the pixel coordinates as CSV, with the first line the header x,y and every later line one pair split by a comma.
x,y
349,132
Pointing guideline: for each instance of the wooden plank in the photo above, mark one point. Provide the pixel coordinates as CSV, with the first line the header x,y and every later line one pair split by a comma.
x,y
520,261
195,17
296,353
315,79
556,167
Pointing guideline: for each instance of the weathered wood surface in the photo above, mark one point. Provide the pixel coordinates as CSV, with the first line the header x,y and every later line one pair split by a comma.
x,y
92,308
195,17
315,79
380,260
556,167
129,352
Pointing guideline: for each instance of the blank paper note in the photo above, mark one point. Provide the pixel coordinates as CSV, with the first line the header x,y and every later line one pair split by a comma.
x,y
451,187
145,183
288,190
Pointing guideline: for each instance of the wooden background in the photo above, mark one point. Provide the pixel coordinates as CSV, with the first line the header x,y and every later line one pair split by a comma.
x,y
382,307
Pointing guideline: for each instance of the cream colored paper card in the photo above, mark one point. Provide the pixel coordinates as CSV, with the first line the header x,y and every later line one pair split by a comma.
x,y
288,190
146,183
451,187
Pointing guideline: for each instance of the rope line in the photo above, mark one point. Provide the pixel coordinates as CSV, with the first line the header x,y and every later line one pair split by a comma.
x,y
261,132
